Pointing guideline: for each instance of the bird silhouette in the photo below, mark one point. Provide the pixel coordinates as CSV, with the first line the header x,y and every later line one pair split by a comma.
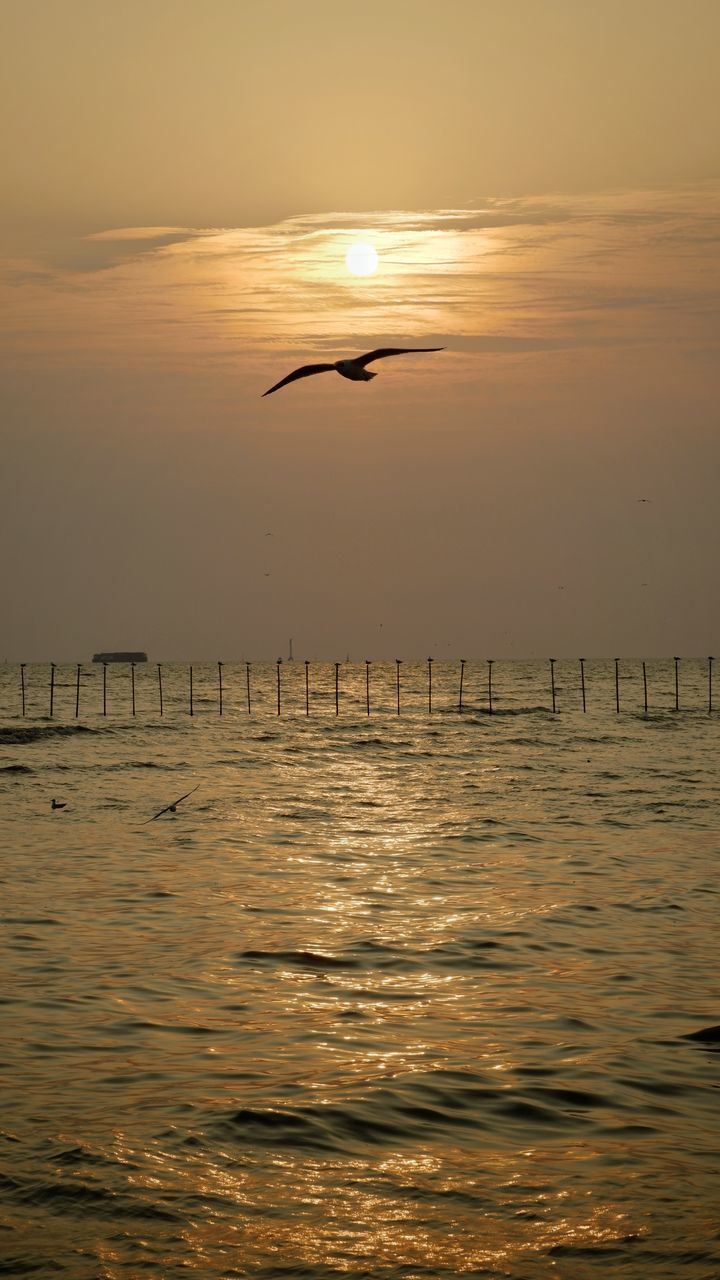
x,y
169,808
57,804
353,368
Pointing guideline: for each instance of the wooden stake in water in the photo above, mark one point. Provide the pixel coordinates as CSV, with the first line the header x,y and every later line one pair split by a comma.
x,y
132,682
22,685
490,667
552,682
645,698
220,688
462,677
77,692
398,662
247,684
104,688
192,713
159,669
677,683
430,662
710,662
337,691
617,687
278,665
582,681
307,687
52,687
367,685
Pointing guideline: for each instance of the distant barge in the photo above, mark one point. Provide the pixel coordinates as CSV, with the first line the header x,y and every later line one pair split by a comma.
x,y
119,656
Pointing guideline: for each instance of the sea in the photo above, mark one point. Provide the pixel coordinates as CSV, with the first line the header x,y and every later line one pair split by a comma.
x,y
414,980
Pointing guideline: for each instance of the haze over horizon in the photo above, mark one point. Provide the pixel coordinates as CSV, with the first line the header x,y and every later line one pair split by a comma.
x,y
179,191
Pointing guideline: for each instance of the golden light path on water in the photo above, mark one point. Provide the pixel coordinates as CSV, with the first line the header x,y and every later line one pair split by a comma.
x,y
365,1227
387,995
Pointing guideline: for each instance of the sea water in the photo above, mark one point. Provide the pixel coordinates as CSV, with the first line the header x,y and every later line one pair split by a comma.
x,y
388,995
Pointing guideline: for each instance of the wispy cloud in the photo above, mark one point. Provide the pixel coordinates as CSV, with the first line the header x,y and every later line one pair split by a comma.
x,y
502,276
149,234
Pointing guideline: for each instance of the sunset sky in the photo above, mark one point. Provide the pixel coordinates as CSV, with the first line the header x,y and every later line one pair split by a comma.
x,y
181,182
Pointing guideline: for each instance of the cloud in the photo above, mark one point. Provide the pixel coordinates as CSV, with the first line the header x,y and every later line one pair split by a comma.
x,y
158,234
102,251
503,275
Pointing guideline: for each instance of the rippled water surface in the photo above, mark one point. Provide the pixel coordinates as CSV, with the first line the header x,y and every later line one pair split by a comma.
x,y
409,995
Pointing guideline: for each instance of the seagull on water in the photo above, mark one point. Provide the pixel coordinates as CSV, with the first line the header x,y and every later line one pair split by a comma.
x,y
353,368
169,808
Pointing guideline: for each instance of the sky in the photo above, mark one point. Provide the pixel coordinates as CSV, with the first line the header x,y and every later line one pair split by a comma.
x,y
180,184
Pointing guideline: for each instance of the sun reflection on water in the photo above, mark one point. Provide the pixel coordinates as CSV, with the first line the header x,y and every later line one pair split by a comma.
x,y
408,1209
338,1018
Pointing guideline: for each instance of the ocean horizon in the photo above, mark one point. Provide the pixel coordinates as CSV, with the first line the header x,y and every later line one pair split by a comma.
x,y
77,689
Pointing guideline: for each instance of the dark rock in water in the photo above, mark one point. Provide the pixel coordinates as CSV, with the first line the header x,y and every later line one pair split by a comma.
x,y
707,1035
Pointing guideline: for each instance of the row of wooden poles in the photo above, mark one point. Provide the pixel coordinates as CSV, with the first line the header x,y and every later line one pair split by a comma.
x,y
398,665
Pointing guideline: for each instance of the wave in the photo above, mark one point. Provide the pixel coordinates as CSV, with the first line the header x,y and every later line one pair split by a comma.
x,y
78,1198
505,712
467,954
16,735
424,1107
709,1036
301,959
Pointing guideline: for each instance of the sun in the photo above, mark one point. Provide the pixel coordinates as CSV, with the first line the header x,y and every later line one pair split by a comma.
x,y
361,259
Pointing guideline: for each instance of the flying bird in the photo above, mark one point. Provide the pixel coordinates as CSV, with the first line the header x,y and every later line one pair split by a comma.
x,y
353,368
169,808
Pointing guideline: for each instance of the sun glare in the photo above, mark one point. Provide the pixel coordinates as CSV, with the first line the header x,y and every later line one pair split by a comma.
x,y
361,259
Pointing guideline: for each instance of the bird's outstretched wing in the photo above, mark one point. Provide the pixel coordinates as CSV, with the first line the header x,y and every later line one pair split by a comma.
x,y
382,352
169,807
304,372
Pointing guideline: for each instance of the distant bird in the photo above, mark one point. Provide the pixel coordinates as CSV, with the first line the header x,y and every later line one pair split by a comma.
x,y
354,368
57,804
644,499
170,808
